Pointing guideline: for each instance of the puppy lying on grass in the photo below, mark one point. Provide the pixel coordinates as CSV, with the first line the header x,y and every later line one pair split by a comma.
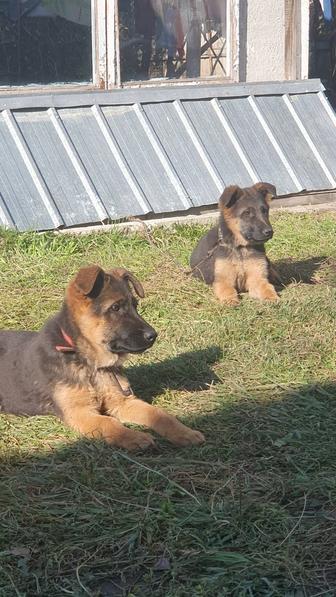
x,y
72,367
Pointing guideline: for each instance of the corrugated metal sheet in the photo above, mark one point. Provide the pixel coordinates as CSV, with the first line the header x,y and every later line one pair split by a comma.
x,y
86,157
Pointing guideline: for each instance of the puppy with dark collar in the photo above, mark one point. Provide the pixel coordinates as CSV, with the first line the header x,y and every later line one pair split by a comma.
x,y
73,366
231,256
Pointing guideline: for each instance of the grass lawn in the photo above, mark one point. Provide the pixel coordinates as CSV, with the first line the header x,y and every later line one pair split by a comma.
x,y
252,512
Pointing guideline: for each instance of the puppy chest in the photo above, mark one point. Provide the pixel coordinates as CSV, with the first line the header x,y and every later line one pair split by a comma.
x,y
231,271
240,267
109,384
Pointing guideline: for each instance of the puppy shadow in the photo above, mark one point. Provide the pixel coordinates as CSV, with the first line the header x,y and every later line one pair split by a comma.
x,y
189,371
314,270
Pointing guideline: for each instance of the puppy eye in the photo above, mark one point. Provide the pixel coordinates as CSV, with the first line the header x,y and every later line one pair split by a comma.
x,y
246,213
115,307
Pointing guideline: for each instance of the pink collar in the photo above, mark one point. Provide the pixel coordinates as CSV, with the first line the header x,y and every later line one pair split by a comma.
x,y
69,347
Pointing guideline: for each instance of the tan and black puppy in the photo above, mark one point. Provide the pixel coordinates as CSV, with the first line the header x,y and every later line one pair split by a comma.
x,y
72,367
231,256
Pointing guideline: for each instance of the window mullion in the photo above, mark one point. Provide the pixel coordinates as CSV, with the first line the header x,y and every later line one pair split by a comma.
x,y
233,25
112,41
99,43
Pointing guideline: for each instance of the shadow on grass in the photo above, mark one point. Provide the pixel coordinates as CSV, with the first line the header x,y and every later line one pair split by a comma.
x,y
306,271
250,513
189,371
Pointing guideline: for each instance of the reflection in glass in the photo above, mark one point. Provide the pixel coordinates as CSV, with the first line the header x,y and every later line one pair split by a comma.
x,y
45,41
172,39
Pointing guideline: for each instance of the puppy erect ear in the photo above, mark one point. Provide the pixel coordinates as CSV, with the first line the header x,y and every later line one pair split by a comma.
x,y
130,278
230,196
268,190
90,281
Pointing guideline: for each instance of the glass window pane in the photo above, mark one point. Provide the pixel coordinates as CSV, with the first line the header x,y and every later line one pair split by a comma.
x,y
45,41
172,39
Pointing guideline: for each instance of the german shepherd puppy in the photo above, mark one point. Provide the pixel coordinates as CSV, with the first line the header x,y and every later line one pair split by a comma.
x,y
231,256
72,366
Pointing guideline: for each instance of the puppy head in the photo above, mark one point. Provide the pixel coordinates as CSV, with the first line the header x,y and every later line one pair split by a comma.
x,y
104,309
246,212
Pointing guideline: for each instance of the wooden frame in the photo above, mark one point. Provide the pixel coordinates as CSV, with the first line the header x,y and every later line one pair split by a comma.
x,y
296,39
292,38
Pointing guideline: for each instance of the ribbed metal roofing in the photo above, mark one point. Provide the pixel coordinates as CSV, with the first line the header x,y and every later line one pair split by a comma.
x,y
86,157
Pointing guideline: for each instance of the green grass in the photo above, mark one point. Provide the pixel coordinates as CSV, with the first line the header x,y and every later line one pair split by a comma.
x,y
253,511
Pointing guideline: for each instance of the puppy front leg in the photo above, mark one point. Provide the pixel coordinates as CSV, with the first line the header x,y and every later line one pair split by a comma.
x,y
257,282
224,282
263,291
133,410
78,410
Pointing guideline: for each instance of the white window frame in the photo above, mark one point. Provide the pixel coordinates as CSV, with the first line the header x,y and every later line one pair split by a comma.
x,y
105,44
106,54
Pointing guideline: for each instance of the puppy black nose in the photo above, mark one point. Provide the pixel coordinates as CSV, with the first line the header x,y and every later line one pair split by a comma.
x,y
150,335
268,232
